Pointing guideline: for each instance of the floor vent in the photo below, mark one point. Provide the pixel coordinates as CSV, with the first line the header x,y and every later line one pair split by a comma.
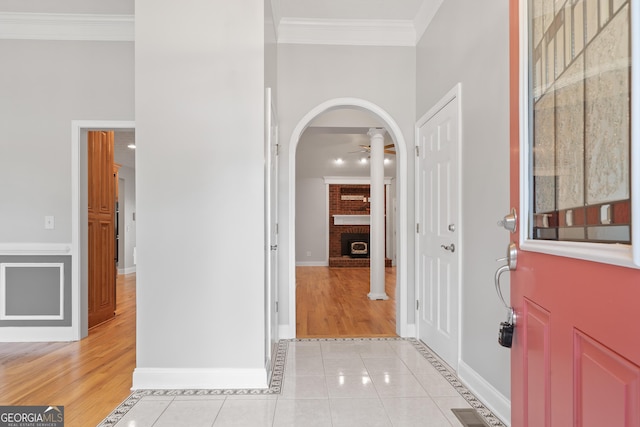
x,y
469,417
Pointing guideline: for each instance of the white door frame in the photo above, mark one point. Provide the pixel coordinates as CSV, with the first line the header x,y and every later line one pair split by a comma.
x,y
79,293
453,94
402,327
271,232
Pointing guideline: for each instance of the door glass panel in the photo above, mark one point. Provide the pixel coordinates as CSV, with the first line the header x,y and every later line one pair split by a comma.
x,y
580,112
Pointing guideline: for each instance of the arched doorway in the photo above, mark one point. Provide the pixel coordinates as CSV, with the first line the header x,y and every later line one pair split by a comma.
x,y
402,306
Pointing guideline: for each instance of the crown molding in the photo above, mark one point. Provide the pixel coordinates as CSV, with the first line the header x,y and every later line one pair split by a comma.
x,y
355,32
59,26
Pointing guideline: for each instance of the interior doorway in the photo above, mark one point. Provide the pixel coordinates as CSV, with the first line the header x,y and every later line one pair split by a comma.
x,y
401,301
79,220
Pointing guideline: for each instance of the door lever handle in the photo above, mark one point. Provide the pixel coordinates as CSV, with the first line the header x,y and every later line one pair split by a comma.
x,y
450,247
512,263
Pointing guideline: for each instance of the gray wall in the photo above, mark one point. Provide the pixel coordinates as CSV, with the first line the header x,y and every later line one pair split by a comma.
x,y
311,222
468,42
32,289
45,85
311,74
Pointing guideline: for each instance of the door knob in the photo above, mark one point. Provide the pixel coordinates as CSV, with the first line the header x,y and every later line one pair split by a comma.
x,y
450,247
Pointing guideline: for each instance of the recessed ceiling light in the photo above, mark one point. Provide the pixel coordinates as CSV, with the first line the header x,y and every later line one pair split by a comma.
x,y
363,160
132,146
339,161
387,161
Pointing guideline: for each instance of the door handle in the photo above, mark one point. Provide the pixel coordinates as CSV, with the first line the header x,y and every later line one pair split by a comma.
x,y
512,263
450,247
512,256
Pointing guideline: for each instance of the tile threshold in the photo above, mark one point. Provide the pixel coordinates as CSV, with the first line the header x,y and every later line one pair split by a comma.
x,y
275,385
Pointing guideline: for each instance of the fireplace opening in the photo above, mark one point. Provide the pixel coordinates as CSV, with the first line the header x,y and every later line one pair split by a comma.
x,y
355,245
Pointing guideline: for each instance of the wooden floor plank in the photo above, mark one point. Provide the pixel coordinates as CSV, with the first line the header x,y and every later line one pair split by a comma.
x,y
332,302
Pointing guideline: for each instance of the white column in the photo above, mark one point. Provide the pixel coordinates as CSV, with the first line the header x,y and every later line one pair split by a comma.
x,y
376,236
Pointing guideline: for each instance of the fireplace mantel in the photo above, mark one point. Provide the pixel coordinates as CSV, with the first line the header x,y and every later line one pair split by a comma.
x,y
351,219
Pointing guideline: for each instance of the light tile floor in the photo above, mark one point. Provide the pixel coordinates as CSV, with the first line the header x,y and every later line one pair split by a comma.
x,y
334,382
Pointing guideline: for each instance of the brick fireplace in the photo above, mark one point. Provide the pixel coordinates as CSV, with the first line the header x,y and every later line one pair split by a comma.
x,y
351,202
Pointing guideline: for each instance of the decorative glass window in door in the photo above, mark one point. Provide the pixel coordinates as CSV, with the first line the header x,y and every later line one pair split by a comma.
x,y
580,120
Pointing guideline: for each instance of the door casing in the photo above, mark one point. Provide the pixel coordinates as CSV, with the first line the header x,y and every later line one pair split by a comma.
x,y
79,260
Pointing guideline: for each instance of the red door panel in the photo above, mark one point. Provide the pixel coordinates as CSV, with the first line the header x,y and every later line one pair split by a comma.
x,y
607,386
535,344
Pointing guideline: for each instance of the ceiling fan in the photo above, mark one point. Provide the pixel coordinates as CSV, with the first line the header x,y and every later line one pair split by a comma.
x,y
388,149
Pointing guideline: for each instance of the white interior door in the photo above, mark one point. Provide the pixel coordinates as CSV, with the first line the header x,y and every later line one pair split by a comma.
x,y
271,228
438,246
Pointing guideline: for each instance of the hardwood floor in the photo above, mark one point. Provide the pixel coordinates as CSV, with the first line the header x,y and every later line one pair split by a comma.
x,y
89,377
332,302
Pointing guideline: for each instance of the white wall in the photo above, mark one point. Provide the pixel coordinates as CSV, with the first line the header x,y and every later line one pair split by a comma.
x,y
311,222
468,42
127,223
270,52
200,201
308,75
44,86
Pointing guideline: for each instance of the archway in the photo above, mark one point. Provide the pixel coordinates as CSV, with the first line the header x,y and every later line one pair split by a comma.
x,y
402,327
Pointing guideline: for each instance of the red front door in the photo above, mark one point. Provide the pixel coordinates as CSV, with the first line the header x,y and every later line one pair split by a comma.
x,y
575,358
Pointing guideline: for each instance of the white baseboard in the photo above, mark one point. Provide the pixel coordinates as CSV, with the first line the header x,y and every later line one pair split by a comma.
x,y
127,270
284,332
37,334
181,378
410,331
485,392
312,264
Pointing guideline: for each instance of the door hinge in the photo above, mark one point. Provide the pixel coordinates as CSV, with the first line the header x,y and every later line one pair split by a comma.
x,y
417,305
277,231
417,151
276,306
277,149
418,227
